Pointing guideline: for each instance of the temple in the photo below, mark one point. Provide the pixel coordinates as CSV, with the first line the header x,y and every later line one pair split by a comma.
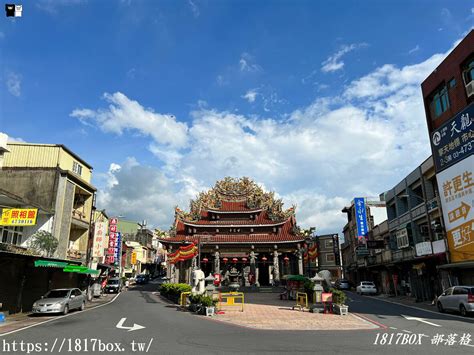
x,y
235,227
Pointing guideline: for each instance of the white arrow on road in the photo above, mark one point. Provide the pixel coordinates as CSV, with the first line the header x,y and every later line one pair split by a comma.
x,y
130,329
420,320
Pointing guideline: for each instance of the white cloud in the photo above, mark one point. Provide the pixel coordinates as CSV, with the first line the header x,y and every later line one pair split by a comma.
x,y
414,49
247,63
16,139
250,95
194,8
125,114
14,83
334,63
359,143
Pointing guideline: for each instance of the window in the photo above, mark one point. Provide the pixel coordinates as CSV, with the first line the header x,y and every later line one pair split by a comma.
x,y
460,291
330,258
468,72
452,83
328,244
439,102
402,238
11,234
77,168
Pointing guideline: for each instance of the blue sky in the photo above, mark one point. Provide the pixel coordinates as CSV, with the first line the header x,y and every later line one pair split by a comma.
x,y
317,100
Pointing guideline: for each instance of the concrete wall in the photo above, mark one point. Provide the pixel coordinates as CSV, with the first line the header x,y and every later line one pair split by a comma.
x,y
34,186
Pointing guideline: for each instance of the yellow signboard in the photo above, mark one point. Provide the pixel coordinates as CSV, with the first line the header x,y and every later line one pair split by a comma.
x,y
134,258
19,217
456,185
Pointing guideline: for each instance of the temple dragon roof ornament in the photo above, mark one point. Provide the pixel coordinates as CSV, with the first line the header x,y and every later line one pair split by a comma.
x,y
236,190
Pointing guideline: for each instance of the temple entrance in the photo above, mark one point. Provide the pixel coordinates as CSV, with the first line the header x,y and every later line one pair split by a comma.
x,y
264,275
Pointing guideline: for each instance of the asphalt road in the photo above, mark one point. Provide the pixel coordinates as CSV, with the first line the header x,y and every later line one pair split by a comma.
x,y
168,330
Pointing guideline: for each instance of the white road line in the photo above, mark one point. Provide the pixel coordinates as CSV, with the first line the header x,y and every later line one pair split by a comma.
x,y
422,320
407,331
418,308
60,317
393,328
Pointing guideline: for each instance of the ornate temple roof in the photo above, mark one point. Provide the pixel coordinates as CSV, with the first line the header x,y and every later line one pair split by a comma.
x,y
235,196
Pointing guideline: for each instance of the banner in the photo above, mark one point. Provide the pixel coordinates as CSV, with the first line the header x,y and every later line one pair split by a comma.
x,y
456,187
19,217
183,253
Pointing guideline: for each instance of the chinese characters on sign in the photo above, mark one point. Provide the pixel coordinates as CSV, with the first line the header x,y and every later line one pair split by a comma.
x,y
19,217
456,185
453,141
99,236
335,246
361,219
111,247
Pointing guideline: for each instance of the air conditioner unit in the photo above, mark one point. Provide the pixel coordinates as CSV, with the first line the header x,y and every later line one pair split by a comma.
x,y
470,88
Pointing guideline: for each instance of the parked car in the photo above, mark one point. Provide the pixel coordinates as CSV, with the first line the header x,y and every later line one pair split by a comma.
x,y
457,298
366,287
142,279
342,284
114,285
60,301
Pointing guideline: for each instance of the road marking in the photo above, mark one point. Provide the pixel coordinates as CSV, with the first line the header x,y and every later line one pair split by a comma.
x,y
130,329
407,331
60,317
418,308
393,328
420,320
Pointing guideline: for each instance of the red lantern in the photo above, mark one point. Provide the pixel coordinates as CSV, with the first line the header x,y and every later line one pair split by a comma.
x,y
286,259
234,260
225,260
264,259
205,260
244,260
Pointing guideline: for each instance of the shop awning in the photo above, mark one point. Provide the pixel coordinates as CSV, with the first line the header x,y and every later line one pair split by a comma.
x,y
461,265
66,266
50,263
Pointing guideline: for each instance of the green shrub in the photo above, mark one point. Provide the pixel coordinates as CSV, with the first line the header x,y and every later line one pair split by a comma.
x,y
173,290
338,296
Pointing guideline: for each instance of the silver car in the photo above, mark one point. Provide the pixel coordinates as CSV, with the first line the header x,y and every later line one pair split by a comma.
x,y
60,301
457,298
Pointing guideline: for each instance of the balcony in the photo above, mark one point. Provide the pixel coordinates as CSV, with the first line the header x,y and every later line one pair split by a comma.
x,y
432,205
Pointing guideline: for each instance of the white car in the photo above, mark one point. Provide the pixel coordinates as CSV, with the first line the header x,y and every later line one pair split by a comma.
x,y
457,298
366,287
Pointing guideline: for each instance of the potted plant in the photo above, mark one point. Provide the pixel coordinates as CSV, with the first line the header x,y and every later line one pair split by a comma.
x,y
339,299
208,305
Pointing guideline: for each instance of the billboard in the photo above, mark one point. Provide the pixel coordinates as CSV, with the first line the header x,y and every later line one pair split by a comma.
x,y
456,186
361,219
452,142
19,217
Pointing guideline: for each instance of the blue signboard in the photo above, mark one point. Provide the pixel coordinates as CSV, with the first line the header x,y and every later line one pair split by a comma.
x,y
453,141
118,243
361,217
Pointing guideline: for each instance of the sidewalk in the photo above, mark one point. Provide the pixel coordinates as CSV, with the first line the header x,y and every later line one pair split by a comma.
x,y
267,311
20,320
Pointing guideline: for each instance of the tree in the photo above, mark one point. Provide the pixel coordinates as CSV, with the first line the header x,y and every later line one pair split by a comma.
x,y
44,242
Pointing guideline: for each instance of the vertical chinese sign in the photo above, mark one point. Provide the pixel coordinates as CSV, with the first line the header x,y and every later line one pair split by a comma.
x,y
361,220
112,241
99,236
